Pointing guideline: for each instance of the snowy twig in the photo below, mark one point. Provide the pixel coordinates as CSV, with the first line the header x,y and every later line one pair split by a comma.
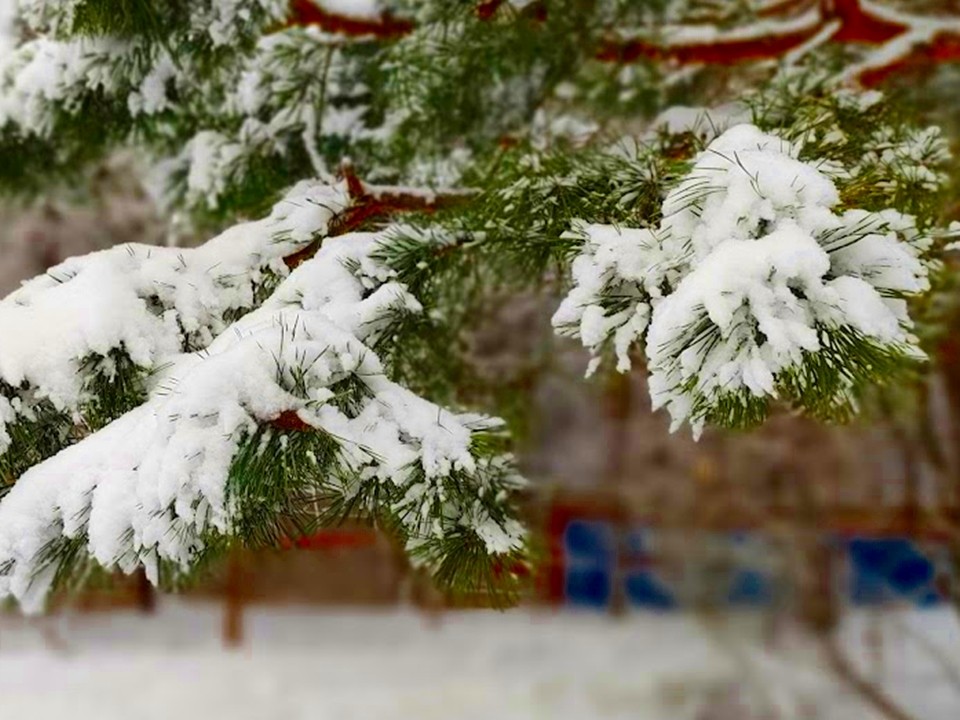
x,y
789,27
382,25
307,12
370,202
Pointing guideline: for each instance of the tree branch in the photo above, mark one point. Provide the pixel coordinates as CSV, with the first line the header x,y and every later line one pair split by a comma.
x,y
385,26
786,26
371,203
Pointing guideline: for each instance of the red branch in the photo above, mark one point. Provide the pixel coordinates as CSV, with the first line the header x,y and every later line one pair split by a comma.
x,y
289,421
943,47
372,203
720,52
486,9
855,24
377,201
386,26
305,12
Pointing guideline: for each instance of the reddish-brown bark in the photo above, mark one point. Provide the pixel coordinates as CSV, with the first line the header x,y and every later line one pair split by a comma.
x,y
855,25
370,203
289,421
944,47
486,9
305,12
721,52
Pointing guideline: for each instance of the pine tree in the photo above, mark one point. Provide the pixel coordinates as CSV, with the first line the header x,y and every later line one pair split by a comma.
x,y
371,172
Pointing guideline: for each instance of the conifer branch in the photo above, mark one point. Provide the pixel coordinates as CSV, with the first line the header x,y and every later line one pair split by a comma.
x,y
385,26
786,29
901,40
371,203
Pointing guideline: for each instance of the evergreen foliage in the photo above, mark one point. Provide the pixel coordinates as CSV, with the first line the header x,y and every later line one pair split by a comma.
x,y
310,366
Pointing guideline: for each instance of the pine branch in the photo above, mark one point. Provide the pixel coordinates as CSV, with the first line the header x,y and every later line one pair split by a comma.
x,y
384,26
377,203
901,39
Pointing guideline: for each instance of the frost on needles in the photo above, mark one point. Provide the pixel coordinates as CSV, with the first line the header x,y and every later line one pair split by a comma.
x,y
757,283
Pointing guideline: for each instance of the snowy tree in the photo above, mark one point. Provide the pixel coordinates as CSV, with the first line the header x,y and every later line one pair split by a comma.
x,y
370,172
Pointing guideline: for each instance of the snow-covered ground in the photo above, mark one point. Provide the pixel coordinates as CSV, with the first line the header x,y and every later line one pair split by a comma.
x,y
342,665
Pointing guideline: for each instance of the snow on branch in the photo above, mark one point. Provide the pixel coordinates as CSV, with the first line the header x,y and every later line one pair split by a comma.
x,y
160,484
356,19
365,18
789,29
64,330
137,304
368,203
784,30
754,285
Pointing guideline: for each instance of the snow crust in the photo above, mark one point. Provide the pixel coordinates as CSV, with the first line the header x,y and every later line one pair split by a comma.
x,y
750,263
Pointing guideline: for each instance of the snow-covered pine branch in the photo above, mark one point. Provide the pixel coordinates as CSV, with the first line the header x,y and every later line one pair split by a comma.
x,y
284,421
81,342
157,405
758,282
231,103
886,39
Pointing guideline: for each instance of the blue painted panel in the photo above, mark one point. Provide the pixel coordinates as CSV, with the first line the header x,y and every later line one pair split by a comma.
x,y
751,588
884,570
588,587
644,590
881,570
590,541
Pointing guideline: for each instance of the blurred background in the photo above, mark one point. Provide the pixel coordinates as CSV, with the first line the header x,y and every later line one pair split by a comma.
x,y
798,571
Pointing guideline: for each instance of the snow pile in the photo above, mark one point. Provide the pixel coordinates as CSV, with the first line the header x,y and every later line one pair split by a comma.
x,y
518,665
147,302
149,486
750,269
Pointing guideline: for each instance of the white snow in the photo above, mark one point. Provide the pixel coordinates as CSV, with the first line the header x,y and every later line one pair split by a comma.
x,y
749,263
370,9
8,17
150,484
277,102
150,302
304,663
42,74
705,122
